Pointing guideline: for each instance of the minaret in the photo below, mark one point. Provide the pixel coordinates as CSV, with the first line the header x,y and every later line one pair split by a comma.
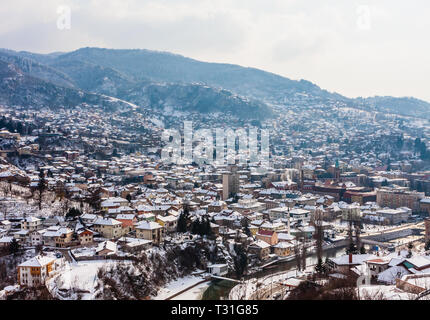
x,y
336,171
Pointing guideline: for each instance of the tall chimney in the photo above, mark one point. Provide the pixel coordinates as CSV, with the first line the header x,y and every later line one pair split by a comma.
x,y
350,258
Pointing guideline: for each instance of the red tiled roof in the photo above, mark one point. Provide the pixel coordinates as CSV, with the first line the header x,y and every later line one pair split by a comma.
x,y
265,232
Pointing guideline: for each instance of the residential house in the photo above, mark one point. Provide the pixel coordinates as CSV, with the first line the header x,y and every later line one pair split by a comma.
x,y
283,249
109,228
150,231
37,270
270,237
31,224
345,263
106,248
260,248
128,221
170,223
85,236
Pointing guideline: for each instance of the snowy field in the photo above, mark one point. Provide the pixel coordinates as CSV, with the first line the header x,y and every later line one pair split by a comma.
x,y
247,289
77,278
181,284
384,293
84,252
367,228
20,203
195,293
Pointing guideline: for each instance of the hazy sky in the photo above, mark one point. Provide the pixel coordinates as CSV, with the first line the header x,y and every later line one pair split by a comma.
x,y
356,48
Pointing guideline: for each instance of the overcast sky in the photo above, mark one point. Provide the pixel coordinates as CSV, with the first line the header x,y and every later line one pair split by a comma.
x,y
356,48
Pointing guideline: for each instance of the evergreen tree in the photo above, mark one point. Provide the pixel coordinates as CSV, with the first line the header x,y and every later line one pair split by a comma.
x,y
201,226
240,261
128,197
410,246
94,199
352,249
41,188
196,226
73,212
207,230
14,246
235,198
320,267
246,229
183,220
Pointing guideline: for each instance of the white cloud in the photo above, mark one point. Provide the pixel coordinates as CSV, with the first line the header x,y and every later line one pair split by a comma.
x,y
314,40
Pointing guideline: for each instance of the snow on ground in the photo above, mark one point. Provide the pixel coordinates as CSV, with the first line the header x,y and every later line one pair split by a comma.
x,y
157,122
195,293
381,292
247,289
84,252
80,277
178,285
19,207
423,282
367,228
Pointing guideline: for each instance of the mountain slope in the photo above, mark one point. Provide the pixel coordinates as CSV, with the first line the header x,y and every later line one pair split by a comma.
x,y
99,77
19,88
158,79
407,106
37,69
195,98
167,67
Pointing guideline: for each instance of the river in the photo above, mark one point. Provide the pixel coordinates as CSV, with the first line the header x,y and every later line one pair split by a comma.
x,y
219,289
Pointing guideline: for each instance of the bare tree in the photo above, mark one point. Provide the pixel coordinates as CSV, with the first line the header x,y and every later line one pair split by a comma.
x,y
351,244
298,254
300,250
358,243
40,189
94,199
3,209
304,250
319,237
7,189
65,206
61,192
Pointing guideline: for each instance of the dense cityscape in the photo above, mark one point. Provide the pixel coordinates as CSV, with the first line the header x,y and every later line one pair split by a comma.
x,y
178,151
87,202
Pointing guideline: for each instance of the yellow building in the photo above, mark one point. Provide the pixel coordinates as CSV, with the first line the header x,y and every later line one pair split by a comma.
x,y
283,249
168,222
149,230
253,229
37,270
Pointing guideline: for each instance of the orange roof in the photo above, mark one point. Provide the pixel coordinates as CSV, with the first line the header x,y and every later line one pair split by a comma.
x,y
377,261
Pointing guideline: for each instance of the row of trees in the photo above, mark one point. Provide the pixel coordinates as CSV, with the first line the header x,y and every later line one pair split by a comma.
x,y
200,226
16,126
319,237
301,250
421,148
354,241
